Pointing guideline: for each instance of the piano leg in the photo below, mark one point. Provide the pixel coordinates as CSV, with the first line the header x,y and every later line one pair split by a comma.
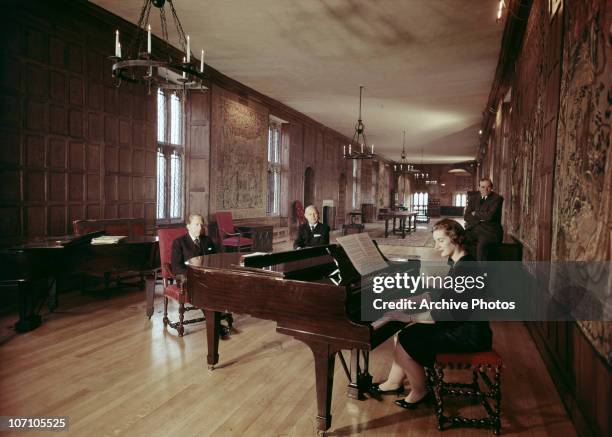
x,y
52,299
150,294
325,359
213,323
28,300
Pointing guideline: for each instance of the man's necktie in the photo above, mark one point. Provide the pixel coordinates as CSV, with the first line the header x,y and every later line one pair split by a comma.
x,y
197,243
482,199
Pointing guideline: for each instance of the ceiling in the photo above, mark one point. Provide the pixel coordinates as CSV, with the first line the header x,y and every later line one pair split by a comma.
x,y
427,65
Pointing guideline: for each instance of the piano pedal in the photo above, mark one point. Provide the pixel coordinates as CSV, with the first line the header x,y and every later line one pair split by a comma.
x,y
224,333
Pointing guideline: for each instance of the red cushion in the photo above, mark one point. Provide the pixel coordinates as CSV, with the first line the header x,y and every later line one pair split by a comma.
x,y
475,359
174,292
233,241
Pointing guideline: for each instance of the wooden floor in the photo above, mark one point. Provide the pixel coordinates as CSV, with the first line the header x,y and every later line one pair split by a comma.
x,y
115,373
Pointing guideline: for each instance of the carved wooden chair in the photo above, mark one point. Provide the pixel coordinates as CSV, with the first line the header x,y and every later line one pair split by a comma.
x,y
173,288
228,235
299,212
487,392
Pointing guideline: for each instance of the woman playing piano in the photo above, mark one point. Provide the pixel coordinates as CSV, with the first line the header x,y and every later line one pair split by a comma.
x,y
418,344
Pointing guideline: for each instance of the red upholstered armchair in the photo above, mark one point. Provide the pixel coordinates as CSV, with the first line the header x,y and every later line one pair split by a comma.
x,y
173,289
299,212
228,235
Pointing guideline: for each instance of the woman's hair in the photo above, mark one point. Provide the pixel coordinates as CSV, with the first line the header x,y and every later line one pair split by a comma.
x,y
452,229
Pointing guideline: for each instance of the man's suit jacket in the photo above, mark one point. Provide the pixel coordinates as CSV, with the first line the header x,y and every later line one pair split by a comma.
x,y
309,238
487,217
183,249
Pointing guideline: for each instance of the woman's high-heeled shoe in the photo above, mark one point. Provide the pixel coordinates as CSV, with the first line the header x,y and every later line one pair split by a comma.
x,y
375,389
412,405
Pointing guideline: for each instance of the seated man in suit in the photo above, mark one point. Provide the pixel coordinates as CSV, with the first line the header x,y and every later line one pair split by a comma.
x,y
483,220
194,243
312,233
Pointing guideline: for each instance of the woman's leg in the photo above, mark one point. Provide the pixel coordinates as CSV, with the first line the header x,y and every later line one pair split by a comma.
x,y
396,376
414,372
395,379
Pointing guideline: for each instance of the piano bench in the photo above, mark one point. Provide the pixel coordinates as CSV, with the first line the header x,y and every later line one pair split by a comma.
x,y
481,389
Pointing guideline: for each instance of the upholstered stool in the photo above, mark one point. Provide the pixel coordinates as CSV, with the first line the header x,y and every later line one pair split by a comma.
x,y
481,364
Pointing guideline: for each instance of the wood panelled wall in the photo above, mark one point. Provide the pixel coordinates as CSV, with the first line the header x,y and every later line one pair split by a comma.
x,y
553,138
73,145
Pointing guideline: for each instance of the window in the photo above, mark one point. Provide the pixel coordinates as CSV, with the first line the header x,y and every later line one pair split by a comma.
x,y
460,199
420,199
170,152
274,167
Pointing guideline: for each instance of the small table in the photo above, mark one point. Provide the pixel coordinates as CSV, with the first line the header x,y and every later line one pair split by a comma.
x,y
402,216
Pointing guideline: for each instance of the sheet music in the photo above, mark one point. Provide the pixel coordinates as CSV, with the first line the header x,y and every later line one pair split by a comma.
x,y
409,319
108,239
363,253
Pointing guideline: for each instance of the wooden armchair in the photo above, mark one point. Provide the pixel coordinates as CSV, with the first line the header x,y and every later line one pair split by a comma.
x,y
228,235
173,288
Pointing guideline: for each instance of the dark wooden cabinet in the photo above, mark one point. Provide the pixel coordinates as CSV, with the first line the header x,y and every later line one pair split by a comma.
x,y
368,211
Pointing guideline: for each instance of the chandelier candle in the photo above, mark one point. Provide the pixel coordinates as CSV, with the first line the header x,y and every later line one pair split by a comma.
x,y
149,39
188,50
117,50
202,62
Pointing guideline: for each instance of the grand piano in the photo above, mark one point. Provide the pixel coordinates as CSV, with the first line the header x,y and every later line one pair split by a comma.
x,y
34,266
313,295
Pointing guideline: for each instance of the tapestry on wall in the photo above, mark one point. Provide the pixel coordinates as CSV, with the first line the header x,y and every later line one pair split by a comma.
x,y
526,137
582,223
383,186
242,157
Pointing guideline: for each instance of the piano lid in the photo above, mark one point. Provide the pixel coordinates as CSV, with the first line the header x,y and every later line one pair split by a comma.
x,y
303,264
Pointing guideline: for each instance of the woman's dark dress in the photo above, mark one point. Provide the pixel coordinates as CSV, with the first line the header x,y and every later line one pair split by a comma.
x,y
423,341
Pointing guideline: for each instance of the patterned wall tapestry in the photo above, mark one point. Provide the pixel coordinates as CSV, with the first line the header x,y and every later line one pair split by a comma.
x,y
242,160
582,225
527,134
383,186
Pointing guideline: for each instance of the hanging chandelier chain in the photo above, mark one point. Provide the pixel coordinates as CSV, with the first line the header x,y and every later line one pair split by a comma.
x,y
360,91
164,27
179,27
136,43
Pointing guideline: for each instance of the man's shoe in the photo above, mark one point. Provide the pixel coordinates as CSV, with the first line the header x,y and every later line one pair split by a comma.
x,y
224,332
